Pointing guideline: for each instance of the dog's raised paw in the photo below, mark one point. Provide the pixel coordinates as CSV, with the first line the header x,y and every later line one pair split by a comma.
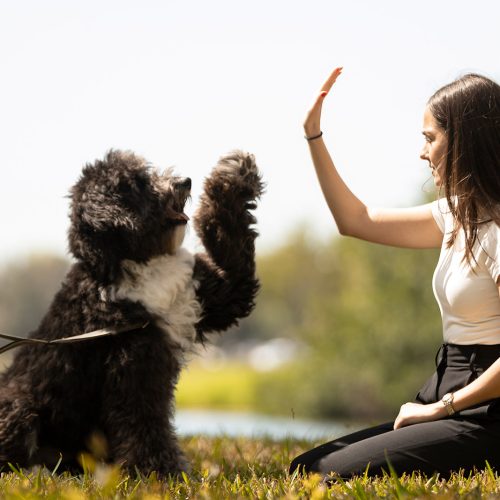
x,y
238,171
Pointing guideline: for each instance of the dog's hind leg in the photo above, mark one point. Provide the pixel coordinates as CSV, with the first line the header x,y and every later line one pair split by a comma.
x,y
224,222
18,430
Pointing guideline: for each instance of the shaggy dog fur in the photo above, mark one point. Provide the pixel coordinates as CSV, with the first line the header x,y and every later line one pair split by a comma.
x,y
127,225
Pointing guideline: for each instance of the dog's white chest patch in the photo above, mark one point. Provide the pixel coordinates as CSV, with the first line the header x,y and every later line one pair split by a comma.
x,y
165,287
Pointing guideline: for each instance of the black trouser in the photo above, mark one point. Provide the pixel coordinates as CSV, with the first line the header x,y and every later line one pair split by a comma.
x,y
464,441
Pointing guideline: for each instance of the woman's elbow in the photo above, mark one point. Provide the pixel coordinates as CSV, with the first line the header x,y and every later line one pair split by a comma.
x,y
345,229
356,225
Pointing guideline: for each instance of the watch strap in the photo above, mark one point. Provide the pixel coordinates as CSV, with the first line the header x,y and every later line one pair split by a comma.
x,y
447,401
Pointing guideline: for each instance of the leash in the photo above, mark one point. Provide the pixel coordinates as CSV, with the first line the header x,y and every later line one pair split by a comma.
x,y
103,332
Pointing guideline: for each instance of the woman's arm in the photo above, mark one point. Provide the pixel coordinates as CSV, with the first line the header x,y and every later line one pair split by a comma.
x,y
484,388
409,227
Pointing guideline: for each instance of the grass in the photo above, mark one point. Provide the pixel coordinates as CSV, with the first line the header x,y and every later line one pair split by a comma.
x,y
237,468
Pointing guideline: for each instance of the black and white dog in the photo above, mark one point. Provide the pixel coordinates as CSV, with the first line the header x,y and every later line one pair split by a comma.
x,y
127,228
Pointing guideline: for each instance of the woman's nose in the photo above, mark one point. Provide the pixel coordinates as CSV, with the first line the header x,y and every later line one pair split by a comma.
x,y
424,154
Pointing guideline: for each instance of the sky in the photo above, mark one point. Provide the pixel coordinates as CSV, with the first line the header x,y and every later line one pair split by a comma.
x,y
182,82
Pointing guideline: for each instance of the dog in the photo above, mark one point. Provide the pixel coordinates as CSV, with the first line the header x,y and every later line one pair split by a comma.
x,y
127,225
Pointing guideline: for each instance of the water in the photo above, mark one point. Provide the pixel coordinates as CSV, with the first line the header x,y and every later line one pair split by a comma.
x,y
213,423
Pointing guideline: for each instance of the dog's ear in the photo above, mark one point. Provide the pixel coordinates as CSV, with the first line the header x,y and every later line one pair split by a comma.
x,y
103,211
108,194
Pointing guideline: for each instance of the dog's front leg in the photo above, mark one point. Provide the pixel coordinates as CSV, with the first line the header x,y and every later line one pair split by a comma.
x,y
145,444
225,274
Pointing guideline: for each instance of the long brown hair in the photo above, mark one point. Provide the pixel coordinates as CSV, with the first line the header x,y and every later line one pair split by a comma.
x,y
468,110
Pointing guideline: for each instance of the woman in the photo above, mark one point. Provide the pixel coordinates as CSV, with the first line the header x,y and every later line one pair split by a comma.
x,y
455,421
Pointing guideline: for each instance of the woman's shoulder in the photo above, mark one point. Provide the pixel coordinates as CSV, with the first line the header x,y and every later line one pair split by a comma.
x,y
491,230
442,214
490,220
489,247
489,239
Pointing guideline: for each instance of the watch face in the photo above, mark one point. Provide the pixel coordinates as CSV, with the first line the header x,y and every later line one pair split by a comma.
x,y
448,403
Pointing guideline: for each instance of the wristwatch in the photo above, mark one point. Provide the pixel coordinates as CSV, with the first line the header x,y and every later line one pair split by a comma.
x,y
447,401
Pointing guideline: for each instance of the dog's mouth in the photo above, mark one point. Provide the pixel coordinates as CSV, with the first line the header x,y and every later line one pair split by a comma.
x,y
179,218
175,210
176,213
177,193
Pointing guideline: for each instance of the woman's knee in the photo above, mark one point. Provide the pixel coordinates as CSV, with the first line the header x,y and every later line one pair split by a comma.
x,y
303,465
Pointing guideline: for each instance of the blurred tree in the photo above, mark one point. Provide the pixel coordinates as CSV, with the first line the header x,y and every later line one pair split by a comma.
x,y
26,290
366,313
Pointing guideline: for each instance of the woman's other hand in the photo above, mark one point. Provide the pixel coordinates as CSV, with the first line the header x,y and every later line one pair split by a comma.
x,y
312,123
414,413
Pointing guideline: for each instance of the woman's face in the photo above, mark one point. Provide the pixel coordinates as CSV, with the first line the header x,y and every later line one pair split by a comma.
x,y
434,150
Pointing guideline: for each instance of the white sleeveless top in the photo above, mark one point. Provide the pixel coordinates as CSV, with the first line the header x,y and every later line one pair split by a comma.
x,y
468,299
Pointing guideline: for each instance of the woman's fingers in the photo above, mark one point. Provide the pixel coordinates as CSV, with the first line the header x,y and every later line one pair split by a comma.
x,y
326,87
330,81
313,118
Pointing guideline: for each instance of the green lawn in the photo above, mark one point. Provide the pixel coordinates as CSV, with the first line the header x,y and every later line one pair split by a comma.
x,y
237,468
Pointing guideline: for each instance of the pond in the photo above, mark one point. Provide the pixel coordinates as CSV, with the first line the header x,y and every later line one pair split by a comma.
x,y
213,423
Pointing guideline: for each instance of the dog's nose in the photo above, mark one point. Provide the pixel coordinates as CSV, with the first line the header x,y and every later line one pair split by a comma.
x,y
184,183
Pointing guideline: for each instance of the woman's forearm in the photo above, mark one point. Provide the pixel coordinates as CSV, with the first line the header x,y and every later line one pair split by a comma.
x,y
345,207
480,390
484,388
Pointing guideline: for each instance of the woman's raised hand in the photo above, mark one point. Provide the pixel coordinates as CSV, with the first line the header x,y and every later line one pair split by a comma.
x,y
312,123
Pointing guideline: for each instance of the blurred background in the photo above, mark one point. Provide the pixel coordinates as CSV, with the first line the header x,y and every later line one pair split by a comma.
x,y
343,330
